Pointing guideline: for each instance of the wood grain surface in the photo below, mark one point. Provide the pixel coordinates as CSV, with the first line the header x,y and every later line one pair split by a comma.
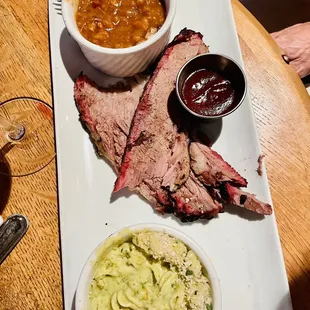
x,y
30,278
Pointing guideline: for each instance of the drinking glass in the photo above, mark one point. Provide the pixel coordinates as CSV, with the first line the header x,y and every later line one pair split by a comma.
x,y
26,136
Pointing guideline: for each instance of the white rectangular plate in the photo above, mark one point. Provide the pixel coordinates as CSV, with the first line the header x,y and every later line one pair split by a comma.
x,y
246,251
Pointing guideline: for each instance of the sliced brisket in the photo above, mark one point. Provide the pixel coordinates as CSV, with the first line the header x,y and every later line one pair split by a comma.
x,y
107,113
211,168
156,162
192,201
156,152
98,112
240,198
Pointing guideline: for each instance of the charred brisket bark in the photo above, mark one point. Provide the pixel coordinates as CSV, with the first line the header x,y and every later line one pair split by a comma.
x,y
240,198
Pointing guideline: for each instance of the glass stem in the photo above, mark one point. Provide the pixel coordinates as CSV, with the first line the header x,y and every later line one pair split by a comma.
x,y
14,132
6,125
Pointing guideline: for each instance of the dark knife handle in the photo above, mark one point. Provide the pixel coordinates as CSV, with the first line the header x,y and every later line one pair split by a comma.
x,y
11,232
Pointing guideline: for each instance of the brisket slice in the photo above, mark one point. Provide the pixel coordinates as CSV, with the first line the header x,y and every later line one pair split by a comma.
x,y
107,114
156,151
98,109
240,198
193,201
211,169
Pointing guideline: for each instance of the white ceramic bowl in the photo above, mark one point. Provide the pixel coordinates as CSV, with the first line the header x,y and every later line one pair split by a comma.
x,y
121,62
82,292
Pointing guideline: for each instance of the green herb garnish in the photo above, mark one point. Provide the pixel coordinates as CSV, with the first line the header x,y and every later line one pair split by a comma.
x,y
189,273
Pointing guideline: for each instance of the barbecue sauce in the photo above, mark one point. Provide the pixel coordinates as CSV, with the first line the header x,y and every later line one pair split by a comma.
x,y
208,93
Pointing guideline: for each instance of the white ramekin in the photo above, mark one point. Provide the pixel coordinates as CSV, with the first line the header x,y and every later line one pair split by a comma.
x,y
121,62
82,292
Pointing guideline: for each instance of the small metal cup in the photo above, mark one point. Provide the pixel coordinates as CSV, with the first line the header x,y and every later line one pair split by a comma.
x,y
220,63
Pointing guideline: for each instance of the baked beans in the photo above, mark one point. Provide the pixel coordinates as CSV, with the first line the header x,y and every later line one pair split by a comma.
x,y
119,23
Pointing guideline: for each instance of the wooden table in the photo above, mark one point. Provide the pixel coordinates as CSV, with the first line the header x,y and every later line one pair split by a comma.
x,y
30,278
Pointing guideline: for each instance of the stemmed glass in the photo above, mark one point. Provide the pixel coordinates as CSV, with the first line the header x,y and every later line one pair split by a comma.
x,y
26,136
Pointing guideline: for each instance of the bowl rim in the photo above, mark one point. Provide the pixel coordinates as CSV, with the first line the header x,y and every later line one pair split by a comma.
x,y
74,32
84,279
211,117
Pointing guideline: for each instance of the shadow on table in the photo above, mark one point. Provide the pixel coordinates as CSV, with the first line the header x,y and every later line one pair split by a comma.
x,y
300,289
5,181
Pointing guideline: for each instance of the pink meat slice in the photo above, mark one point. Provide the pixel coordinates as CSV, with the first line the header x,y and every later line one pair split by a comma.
x,y
240,198
150,153
211,169
109,128
193,201
107,113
